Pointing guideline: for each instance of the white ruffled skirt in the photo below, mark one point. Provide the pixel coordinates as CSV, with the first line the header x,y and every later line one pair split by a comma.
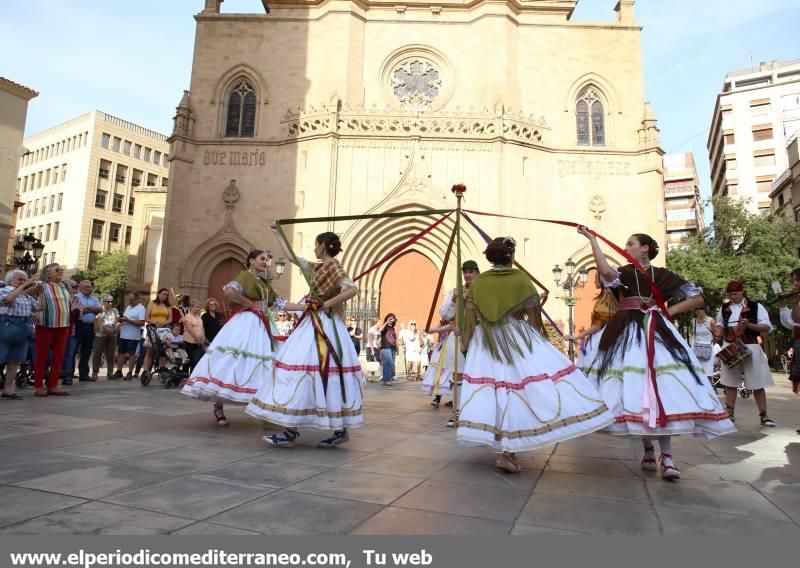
x,y
295,396
690,406
588,350
441,367
236,364
539,398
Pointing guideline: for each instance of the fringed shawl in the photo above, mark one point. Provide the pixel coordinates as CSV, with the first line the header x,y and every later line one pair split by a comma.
x,y
605,307
255,288
497,300
327,280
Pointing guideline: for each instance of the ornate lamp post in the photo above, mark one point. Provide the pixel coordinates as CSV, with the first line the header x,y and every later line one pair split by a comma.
x,y
27,252
571,282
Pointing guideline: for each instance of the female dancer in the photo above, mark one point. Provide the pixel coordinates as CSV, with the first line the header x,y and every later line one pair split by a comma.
x,y
239,360
439,377
317,379
605,306
519,392
648,375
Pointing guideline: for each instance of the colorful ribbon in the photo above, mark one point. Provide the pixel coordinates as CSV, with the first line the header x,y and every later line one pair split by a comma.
x,y
488,239
400,248
657,296
325,349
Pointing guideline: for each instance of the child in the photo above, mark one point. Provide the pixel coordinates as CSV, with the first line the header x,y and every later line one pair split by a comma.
x,y
173,341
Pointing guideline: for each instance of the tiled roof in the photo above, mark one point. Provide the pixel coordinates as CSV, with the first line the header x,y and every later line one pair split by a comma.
x,y
27,90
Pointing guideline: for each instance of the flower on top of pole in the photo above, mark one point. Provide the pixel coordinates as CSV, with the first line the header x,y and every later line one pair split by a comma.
x,y
459,189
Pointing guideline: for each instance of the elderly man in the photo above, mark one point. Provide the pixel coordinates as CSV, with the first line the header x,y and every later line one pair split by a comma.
x,y
52,332
130,335
89,306
745,319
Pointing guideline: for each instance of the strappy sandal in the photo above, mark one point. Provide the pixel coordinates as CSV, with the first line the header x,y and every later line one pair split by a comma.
x,y
285,440
668,469
219,414
766,420
505,461
649,460
339,437
435,402
729,409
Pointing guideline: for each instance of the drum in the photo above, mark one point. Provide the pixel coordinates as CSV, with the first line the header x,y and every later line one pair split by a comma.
x,y
734,353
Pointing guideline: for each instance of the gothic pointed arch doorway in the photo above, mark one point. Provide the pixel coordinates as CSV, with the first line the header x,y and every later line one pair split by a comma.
x,y
407,288
224,272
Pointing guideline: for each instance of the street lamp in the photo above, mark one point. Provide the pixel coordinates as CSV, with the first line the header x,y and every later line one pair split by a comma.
x,y
27,252
571,282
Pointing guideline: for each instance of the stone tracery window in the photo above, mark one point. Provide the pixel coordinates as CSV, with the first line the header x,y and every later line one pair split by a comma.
x,y
416,82
590,120
240,121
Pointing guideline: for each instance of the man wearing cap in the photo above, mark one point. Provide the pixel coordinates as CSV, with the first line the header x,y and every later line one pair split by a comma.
x,y
745,319
439,378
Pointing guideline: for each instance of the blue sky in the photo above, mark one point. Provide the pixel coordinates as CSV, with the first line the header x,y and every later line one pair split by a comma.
x,y
133,58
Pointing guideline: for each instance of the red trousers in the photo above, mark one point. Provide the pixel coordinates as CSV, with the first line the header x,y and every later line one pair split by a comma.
x,y
48,338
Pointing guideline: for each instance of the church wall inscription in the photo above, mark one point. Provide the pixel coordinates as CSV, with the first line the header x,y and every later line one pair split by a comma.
x,y
233,158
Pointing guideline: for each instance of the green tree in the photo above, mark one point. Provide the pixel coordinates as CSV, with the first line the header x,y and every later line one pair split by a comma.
x,y
109,272
738,245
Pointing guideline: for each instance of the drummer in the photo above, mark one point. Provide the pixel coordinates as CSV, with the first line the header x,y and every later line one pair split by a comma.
x,y
744,319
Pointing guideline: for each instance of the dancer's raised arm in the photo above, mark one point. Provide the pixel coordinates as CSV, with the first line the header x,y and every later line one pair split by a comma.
x,y
282,244
605,269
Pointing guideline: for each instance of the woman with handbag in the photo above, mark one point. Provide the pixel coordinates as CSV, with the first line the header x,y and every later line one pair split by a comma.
x,y
703,340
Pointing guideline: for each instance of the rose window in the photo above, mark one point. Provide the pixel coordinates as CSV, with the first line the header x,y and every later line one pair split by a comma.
x,y
416,83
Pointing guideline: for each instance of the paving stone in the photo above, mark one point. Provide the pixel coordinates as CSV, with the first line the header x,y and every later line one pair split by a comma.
x,y
420,468
207,529
97,518
357,485
716,496
291,513
190,497
182,460
20,504
110,449
264,472
594,516
526,530
312,455
466,500
38,464
690,522
96,481
600,487
487,476
396,520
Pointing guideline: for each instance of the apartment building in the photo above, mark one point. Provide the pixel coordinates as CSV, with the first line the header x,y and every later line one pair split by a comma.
x,y
77,184
684,211
755,115
786,189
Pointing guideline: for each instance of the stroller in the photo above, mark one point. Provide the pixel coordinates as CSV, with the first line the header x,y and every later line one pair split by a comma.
x,y
174,374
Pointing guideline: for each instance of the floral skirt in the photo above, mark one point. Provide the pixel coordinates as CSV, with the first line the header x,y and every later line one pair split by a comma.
x,y
296,395
237,362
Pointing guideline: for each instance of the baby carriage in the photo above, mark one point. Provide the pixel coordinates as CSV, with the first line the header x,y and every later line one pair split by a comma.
x,y
176,370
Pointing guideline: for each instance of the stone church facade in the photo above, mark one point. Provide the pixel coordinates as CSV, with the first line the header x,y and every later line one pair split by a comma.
x,y
336,107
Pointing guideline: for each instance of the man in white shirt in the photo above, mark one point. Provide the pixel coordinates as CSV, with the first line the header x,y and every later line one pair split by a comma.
x,y
130,335
745,319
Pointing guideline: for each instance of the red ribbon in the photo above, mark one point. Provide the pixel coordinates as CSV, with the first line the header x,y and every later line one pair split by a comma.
x,y
312,306
402,247
265,322
657,295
